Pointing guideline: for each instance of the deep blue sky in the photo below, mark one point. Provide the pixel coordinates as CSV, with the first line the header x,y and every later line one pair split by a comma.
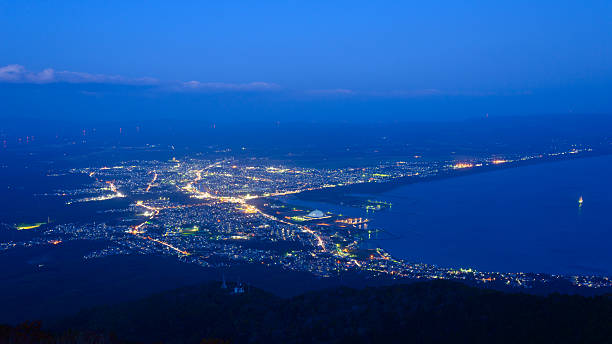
x,y
552,56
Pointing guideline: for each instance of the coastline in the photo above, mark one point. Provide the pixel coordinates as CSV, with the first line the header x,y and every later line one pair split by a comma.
x,y
328,195
444,241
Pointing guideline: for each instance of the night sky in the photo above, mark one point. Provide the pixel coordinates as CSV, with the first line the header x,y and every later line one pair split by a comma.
x,y
315,60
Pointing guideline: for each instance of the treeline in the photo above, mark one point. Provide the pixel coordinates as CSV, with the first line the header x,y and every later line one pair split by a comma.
x,y
426,312
32,333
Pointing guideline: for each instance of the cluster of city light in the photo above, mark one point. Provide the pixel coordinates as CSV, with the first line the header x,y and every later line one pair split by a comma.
x,y
110,187
499,161
353,221
248,209
227,213
241,201
461,165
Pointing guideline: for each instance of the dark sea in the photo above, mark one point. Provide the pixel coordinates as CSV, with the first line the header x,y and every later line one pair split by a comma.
x,y
518,219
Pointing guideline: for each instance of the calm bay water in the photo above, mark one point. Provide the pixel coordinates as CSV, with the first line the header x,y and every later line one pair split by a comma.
x,y
520,219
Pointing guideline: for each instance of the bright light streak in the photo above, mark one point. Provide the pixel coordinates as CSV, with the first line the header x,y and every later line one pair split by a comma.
x,y
461,165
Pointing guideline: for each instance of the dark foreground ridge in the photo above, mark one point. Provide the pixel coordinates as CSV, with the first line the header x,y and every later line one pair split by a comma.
x,y
424,312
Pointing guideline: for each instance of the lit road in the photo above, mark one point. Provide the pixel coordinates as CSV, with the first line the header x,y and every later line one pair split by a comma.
x,y
244,206
151,182
137,230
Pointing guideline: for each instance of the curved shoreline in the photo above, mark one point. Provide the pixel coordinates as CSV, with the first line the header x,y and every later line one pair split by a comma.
x,y
381,187
572,164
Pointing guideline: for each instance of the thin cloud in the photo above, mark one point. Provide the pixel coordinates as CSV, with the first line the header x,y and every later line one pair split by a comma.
x,y
15,73
78,77
336,91
418,93
421,92
19,74
211,86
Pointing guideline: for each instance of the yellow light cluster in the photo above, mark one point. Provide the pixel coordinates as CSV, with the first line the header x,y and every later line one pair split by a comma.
x,y
248,209
460,165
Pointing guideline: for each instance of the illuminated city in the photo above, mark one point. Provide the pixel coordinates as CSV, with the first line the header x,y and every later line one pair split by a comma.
x,y
222,212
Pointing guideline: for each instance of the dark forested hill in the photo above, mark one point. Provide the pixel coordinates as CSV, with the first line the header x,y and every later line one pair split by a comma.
x,y
427,312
